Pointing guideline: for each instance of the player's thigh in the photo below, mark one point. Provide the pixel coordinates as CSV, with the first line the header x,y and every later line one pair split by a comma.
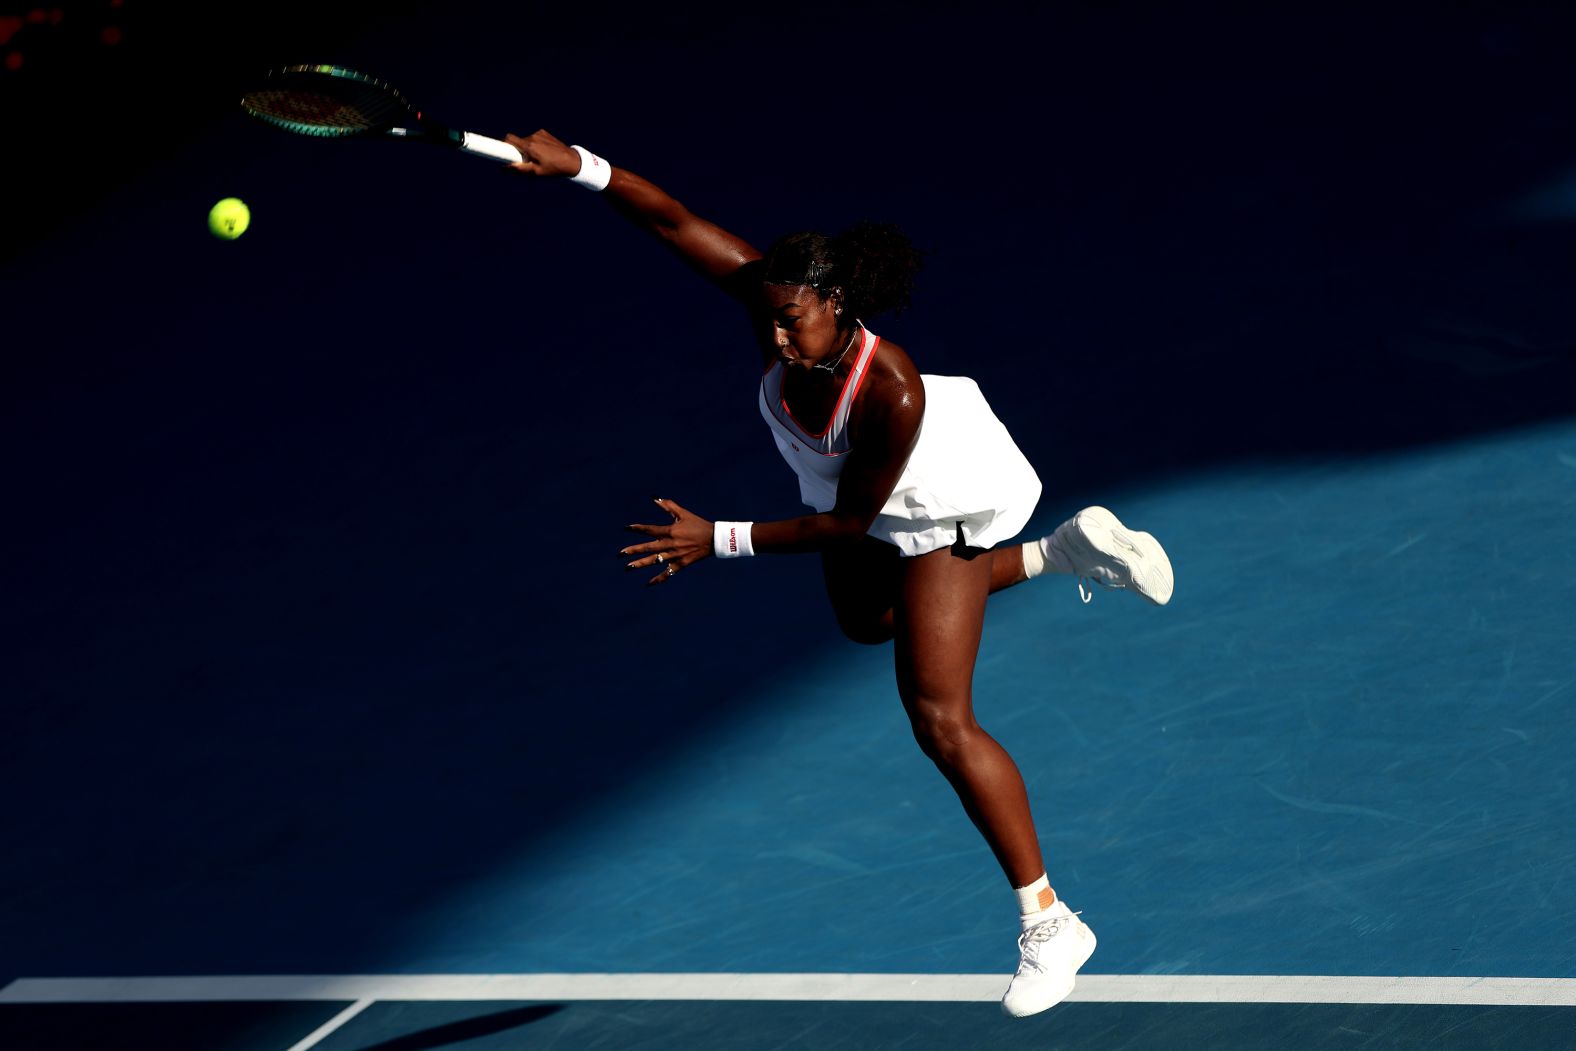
x,y
938,620
861,581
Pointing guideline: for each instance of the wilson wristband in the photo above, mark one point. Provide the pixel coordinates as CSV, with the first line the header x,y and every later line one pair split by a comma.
x,y
595,173
731,539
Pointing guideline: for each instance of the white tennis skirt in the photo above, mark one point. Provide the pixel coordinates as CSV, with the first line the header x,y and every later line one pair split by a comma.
x,y
966,478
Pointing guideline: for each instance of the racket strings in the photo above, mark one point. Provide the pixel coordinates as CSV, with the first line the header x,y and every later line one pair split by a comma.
x,y
313,104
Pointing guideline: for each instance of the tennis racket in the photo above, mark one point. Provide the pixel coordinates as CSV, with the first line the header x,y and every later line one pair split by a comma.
x,y
336,103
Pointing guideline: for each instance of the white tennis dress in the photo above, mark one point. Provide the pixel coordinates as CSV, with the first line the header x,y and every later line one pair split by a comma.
x,y
965,476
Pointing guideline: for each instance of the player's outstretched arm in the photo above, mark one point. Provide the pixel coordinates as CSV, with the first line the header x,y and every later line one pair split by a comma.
x,y
706,247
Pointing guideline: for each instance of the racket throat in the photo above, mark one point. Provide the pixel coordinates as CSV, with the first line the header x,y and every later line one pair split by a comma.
x,y
427,131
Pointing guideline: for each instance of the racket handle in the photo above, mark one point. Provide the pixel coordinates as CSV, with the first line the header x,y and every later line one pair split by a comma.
x,y
482,146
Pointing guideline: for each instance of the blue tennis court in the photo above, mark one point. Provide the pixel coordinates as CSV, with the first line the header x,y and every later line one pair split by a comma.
x,y
332,720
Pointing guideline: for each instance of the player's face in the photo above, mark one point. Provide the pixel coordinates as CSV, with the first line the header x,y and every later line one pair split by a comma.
x,y
800,327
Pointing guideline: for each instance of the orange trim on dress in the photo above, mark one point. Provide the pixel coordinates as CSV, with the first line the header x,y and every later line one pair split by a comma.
x,y
864,357
864,372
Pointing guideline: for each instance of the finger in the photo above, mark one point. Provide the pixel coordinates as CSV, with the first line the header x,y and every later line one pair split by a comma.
x,y
646,549
670,569
526,162
658,559
678,511
663,531
669,506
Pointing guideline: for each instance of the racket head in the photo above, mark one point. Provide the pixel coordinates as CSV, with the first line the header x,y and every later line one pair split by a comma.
x,y
327,101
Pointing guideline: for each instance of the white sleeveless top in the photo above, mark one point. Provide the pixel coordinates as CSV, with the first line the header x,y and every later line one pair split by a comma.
x,y
965,478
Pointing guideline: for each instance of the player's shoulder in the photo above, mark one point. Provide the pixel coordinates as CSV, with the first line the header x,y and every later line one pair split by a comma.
x,y
893,379
891,360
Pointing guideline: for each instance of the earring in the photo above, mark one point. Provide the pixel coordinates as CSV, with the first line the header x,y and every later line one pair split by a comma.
x,y
838,311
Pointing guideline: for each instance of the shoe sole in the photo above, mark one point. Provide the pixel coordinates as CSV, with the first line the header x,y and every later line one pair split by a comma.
x,y
1142,555
1089,941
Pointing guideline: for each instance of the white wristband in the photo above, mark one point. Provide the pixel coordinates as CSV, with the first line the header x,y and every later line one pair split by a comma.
x,y
731,539
595,173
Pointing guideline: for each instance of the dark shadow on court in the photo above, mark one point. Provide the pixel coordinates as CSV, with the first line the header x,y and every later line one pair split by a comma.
x,y
466,1029
311,613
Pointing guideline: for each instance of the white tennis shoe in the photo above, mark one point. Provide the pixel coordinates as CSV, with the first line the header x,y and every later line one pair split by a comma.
x,y
1095,546
1050,954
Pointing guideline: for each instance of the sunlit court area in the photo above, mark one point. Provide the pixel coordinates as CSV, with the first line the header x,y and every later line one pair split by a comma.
x,y
332,715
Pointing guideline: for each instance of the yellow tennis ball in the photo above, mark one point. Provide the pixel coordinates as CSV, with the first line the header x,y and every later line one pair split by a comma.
x,y
229,218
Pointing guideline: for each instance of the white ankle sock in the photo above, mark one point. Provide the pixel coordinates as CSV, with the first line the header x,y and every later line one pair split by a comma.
x,y
1037,902
1044,556
1033,560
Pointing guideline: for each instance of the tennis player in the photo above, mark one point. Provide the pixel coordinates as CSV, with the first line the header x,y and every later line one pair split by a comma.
x,y
914,485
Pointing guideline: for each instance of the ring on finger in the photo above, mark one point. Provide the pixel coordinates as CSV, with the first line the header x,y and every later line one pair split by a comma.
x,y
661,557
672,569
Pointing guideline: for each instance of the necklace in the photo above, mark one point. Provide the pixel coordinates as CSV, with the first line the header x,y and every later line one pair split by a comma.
x,y
832,368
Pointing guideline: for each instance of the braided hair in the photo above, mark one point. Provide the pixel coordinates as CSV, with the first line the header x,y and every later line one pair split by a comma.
x,y
873,263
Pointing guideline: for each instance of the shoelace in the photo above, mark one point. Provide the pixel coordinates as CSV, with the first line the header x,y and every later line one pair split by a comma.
x,y
1029,941
1081,557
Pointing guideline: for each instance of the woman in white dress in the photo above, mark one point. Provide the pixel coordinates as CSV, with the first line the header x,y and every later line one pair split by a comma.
x,y
913,483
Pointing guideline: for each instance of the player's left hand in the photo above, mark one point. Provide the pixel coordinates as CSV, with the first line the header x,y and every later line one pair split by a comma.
x,y
681,544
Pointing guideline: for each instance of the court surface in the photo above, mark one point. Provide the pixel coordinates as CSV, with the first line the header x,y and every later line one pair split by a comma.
x,y
331,720
1371,782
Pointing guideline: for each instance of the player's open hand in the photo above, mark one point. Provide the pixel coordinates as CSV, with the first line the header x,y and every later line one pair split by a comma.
x,y
542,154
683,543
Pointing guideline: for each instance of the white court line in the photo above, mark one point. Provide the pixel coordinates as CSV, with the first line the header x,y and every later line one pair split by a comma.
x,y
960,988
316,1036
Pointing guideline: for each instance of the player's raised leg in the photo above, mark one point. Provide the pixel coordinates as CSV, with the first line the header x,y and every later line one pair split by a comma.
x,y
861,581
1093,545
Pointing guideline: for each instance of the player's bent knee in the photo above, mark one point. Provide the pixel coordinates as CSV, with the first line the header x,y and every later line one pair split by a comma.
x,y
867,631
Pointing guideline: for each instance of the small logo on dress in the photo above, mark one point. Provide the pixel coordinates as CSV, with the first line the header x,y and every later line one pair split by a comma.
x,y
795,447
